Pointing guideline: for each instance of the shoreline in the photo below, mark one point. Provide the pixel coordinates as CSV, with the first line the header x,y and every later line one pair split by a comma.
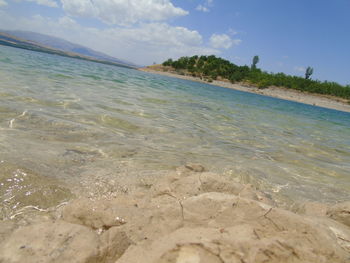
x,y
319,100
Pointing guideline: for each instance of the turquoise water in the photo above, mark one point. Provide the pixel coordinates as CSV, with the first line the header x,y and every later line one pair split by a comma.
x,y
72,121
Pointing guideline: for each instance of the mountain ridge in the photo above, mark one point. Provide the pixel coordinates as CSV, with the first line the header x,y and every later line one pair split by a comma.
x,y
59,44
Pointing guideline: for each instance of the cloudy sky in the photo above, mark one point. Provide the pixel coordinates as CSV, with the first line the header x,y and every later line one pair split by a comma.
x,y
288,35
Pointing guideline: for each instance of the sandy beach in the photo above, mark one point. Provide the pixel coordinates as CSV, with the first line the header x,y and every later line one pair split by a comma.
x,y
324,101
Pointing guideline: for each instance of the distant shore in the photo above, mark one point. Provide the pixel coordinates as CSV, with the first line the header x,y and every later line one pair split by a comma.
x,y
319,100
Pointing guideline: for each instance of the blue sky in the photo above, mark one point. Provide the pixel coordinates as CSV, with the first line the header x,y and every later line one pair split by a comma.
x,y
288,35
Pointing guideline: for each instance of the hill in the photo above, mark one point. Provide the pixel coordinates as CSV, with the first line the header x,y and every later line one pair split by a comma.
x,y
57,46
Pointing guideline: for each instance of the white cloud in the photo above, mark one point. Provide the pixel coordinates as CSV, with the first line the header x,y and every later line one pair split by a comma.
x,y
205,6
3,3
142,44
299,69
223,41
202,8
123,12
155,42
232,32
49,3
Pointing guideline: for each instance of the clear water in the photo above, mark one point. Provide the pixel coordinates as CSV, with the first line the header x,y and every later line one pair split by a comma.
x,y
65,122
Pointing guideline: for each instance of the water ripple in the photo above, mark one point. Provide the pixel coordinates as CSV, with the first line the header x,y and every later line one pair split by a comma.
x,y
73,116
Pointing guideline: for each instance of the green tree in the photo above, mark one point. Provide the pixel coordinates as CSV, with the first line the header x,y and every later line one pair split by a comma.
x,y
255,61
309,72
211,67
169,62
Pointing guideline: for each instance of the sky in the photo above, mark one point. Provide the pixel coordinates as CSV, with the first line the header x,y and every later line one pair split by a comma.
x,y
287,35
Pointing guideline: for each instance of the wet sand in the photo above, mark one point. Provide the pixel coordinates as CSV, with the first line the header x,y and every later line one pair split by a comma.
x,y
324,101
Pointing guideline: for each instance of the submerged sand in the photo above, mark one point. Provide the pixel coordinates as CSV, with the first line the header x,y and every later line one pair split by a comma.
x,y
324,101
188,215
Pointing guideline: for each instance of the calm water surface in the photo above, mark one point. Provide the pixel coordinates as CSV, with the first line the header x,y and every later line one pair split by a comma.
x,y
66,122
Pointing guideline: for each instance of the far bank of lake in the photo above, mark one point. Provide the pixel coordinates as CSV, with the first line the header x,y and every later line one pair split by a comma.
x,y
319,100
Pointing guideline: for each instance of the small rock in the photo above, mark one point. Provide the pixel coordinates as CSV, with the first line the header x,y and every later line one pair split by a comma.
x,y
211,182
113,245
189,253
6,228
340,212
250,192
312,209
241,243
96,215
51,242
195,167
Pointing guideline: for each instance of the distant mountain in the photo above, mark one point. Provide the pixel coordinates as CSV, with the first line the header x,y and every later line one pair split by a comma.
x,y
64,45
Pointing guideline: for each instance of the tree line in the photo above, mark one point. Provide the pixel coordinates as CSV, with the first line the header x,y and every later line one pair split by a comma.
x,y
211,68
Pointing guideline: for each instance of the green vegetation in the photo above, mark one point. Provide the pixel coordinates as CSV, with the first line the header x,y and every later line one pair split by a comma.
x,y
211,68
255,61
309,72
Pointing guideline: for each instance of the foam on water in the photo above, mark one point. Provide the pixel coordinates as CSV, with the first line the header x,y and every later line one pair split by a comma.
x,y
63,118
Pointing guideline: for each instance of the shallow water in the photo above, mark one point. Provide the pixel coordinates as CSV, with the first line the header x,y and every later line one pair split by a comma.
x,y
75,122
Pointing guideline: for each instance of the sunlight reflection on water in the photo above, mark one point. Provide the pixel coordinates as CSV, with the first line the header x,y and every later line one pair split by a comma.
x,y
61,117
